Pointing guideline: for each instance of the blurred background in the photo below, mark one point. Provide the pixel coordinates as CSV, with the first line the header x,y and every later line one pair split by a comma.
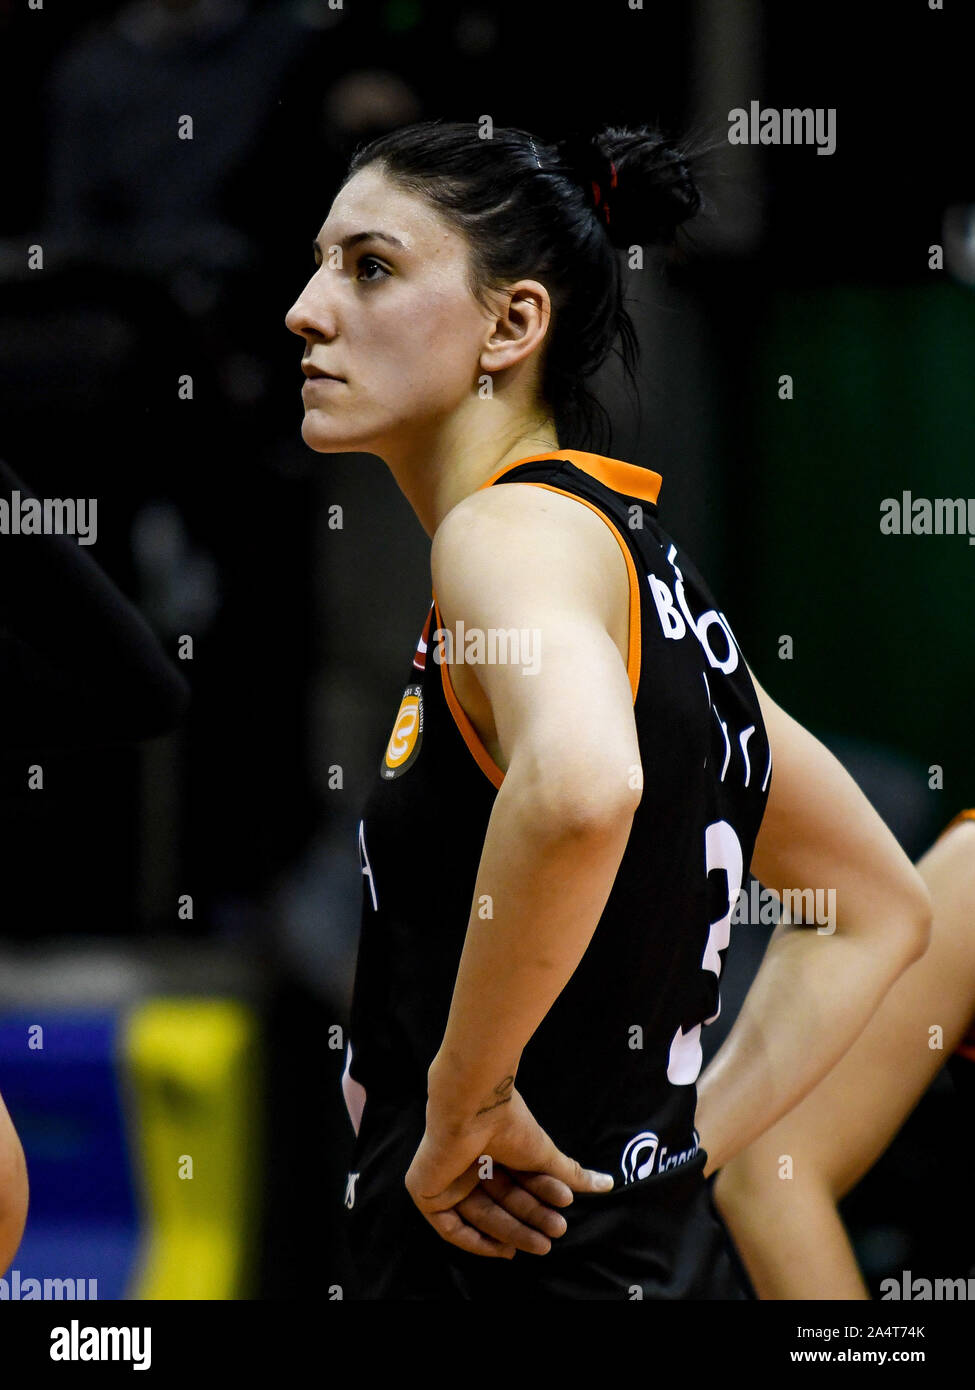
x,y
180,907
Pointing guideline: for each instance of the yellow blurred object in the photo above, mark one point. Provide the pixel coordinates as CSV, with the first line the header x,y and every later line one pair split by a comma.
x,y
191,1080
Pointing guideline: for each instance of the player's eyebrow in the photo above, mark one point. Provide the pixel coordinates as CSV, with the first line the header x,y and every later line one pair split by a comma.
x,y
354,238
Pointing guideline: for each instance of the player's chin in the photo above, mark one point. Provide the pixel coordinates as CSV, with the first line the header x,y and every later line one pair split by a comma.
x,y
327,435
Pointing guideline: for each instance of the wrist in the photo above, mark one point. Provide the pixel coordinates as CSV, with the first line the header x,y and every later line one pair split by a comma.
x,y
461,1093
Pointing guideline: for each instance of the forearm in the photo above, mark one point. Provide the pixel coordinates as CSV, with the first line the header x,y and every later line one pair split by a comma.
x,y
541,887
810,1000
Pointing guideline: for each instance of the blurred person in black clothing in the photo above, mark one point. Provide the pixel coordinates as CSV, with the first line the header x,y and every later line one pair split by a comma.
x,y
78,663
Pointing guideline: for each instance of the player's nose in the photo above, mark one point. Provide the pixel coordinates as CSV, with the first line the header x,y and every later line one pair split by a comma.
x,y
312,313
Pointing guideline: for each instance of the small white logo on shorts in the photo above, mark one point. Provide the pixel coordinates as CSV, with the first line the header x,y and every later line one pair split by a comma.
x,y
643,1151
351,1181
638,1156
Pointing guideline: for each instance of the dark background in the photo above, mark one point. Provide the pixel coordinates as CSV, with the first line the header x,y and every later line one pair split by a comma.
x,y
166,257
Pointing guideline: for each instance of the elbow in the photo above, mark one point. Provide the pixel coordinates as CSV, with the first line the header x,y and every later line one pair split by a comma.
x,y
920,920
606,819
583,806
907,927
895,927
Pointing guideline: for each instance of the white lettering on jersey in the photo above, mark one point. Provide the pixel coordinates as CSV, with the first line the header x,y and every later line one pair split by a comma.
x,y
743,738
350,1182
675,626
365,865
722,850
670,620
683,1156
727,744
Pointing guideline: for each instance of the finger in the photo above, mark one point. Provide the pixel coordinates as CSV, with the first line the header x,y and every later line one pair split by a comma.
x,y
544,1186
522,1204
453,1229
558,1165
480,1210
543,1156
422,1187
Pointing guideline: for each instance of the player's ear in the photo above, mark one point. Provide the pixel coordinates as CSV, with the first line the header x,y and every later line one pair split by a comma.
x,y
521,317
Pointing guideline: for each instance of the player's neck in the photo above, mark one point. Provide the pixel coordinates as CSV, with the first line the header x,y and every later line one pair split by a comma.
x,y
438,468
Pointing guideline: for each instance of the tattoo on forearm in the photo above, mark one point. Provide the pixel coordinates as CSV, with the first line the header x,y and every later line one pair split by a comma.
x,y
503,1092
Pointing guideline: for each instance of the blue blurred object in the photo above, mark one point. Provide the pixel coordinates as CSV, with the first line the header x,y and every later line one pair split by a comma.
x,y
58,1076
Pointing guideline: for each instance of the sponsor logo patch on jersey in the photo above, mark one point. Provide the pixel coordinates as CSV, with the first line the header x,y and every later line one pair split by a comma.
x,y
643,1155
638,1156
404,741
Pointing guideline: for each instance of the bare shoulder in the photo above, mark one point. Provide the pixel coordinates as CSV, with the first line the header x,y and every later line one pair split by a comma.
x,y
520,537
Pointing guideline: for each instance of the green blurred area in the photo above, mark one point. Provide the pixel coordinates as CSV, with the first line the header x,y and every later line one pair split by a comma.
x,y
882,625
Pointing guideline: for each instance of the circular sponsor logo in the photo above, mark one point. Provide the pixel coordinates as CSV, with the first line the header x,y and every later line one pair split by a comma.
x,y
638,1156
404,741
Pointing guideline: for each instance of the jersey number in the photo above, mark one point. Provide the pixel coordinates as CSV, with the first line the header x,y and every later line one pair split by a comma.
x,y
722,850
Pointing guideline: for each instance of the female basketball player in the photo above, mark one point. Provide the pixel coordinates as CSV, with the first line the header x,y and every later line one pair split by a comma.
x,y
783,1216
580,767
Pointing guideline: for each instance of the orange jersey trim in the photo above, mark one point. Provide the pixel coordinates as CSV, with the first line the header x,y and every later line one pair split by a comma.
x,y
962,815
618,475
469,734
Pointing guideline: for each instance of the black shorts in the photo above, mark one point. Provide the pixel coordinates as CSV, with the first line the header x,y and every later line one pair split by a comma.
x,y
659,1238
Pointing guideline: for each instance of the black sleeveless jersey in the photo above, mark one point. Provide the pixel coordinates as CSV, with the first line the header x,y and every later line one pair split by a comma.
x,y
610,1072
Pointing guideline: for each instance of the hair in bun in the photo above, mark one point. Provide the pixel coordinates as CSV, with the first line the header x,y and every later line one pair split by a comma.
x,y
639,187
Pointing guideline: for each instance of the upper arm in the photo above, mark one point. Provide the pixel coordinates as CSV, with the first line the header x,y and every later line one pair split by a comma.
x,y
819,830
522,560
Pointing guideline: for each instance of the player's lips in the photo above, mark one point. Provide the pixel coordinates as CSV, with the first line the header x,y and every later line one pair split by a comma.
x,y
318,383
317,374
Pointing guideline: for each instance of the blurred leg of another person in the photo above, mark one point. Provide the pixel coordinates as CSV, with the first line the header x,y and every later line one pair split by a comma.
x,y
787,1229
13,1190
